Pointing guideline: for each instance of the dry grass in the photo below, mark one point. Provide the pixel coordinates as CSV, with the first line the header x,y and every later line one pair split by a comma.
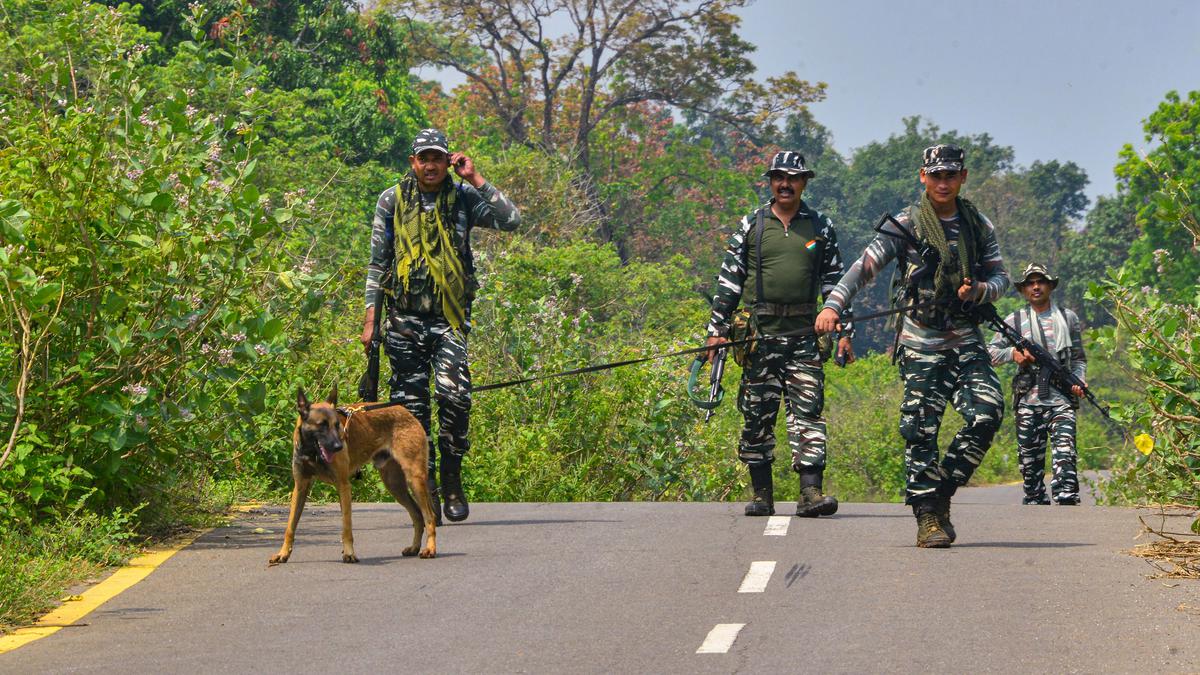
x,y
1176,555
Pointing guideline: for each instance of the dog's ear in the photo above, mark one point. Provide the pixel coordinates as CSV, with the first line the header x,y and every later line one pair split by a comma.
x,y
332,400
302,404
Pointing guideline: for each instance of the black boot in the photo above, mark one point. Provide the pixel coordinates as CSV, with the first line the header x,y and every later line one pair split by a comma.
x,y
763,503
435,495
457,508
812,502
941,507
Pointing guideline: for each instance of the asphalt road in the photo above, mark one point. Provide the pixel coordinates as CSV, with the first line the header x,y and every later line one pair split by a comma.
x,y
639,587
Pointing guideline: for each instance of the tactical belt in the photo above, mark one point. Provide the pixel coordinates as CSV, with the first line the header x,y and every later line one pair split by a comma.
x,y
784,310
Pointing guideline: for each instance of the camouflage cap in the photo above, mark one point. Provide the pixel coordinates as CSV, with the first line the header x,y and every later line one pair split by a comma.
x,y
944,158
1039,269
791,163
430,139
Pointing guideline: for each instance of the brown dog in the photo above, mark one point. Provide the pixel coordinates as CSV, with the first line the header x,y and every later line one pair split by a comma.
x,y
332,443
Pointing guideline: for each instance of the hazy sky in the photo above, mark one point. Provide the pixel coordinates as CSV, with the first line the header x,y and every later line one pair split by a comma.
x,y
1054,79
1070,80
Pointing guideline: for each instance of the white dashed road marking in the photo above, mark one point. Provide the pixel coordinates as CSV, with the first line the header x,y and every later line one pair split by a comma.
x,y
777,526
758,576
720,638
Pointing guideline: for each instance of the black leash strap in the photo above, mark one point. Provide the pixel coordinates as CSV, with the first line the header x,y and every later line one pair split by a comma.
x,y
657,357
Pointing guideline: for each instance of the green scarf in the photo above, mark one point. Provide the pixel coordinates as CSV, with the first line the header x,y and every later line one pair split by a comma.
x,y
954,266
424,237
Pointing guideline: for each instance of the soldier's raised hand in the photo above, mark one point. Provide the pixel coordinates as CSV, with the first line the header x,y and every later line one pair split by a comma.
x,y
464,167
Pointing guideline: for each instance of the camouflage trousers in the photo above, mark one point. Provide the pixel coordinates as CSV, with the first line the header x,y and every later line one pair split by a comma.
x,y
787,369
964,376
1036,424
417,346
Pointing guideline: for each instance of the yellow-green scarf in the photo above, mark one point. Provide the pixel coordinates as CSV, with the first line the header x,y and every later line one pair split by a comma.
x,y
954,266
425,237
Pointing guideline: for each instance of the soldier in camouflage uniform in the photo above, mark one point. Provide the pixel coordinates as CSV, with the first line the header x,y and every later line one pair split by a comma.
x,y
942,354
1048,412
421,259
776,263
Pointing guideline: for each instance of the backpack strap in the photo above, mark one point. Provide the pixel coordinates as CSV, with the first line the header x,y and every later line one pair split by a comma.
x,y
760,225
818,252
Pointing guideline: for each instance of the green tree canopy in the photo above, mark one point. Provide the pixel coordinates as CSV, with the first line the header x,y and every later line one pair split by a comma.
x,y
1173,130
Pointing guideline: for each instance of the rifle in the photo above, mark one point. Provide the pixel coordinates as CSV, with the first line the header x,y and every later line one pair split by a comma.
x,y
1050,371
368,384
906,293
716,393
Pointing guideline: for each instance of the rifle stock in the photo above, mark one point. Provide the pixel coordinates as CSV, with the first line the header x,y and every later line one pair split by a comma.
x,y
715,392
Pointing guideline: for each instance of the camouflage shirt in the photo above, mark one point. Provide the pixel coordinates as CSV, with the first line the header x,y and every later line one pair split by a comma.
x,y
886,248
734,270
485,207
1069,348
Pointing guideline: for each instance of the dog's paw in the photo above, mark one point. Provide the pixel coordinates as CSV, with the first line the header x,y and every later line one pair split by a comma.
x,y
409,552
349,558
278,559
428,553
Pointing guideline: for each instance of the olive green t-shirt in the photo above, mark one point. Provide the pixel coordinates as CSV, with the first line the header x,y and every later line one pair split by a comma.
x,y
789,258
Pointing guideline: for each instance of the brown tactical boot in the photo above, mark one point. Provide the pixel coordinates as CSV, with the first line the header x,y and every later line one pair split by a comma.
x,y
812,502
930,533
763,503
941,507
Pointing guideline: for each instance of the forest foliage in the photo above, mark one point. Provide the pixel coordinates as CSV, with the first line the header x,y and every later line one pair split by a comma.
x,y
185,199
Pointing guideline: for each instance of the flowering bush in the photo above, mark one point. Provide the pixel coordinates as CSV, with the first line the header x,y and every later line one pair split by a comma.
x,y
1155,298
1162,331
142,269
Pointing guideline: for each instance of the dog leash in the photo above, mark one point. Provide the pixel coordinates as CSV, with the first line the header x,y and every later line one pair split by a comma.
x,y
658,357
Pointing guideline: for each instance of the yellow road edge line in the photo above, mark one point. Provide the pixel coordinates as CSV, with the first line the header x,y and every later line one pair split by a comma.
x,y
75,609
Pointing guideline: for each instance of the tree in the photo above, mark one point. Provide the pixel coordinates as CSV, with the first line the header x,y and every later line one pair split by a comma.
x,y
1008,200
1103,244
1173,130
1058,190
555,89
1033,210
352,67
143,271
